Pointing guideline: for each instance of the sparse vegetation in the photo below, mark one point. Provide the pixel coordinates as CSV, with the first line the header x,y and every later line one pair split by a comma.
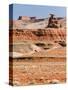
x,y
40,44
62,43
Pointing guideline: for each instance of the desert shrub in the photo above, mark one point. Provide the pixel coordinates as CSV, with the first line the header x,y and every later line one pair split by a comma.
x,y
62,43
39,32
40,44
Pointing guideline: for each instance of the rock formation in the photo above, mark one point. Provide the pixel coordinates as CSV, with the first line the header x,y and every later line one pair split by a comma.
x,y
39,29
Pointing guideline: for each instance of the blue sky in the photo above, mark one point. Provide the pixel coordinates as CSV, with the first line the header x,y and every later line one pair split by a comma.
x,y
36,10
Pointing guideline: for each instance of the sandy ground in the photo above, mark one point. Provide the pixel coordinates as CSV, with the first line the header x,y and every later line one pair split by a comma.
x,y
39,71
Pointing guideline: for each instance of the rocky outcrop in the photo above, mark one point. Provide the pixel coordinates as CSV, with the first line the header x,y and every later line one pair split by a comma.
x,y
30,28
25,22
39,34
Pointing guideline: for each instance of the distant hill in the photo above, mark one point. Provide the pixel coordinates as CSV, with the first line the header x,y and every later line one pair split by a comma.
x,y
33,23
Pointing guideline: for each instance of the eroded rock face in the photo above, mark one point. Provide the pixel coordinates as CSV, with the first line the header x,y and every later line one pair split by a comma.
x,y
36,29
39,34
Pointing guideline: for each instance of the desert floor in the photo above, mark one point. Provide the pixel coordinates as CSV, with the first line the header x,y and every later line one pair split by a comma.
x,y
39,71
